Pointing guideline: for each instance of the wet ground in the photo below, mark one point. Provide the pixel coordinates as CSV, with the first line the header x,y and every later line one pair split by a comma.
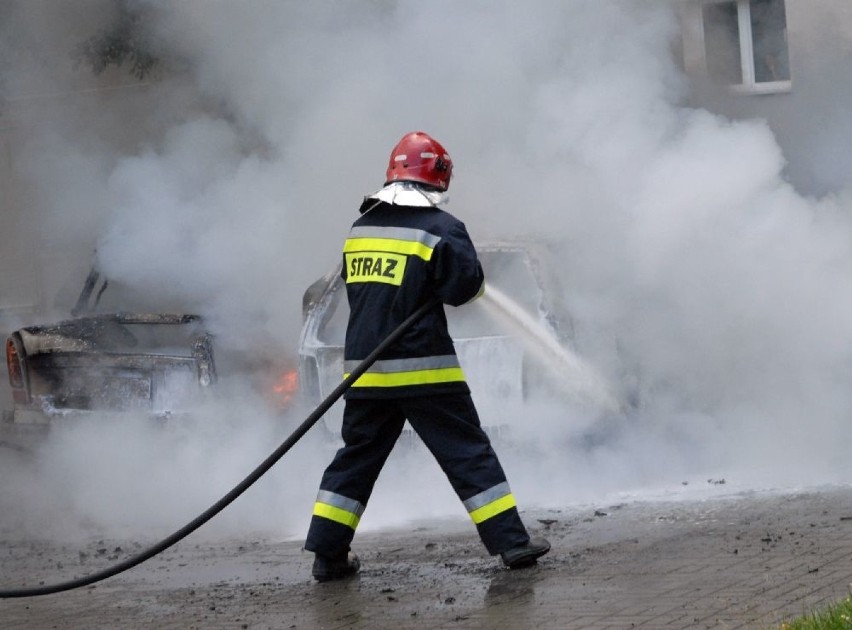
x,y
749,560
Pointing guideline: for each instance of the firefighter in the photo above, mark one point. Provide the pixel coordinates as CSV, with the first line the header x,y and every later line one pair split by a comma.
x,y
403,250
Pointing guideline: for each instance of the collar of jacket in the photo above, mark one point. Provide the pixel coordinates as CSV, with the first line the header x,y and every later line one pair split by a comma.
x,y
409,194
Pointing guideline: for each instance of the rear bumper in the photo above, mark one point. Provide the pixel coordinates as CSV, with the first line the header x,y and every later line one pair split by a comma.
x,y
26,417
32,417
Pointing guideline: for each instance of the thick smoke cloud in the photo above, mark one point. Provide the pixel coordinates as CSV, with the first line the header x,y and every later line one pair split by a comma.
x,y
713,297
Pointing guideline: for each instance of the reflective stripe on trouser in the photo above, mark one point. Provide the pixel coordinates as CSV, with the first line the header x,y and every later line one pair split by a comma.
x,y
449,426
401,372
490,503
338,508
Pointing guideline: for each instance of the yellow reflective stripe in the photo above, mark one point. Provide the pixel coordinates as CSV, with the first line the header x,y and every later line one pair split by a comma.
x,y
391,245
418,377
336,514
494,508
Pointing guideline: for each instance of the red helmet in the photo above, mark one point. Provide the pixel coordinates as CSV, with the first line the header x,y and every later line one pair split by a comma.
x,y
418,157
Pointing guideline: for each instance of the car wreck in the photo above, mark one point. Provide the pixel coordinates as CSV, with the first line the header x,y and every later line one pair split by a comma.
x,y
101,360
492,343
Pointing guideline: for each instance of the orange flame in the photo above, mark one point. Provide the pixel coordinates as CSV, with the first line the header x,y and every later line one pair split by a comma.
x,y
285,387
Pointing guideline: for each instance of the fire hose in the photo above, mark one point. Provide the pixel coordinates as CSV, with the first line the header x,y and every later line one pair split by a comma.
x,y
241,487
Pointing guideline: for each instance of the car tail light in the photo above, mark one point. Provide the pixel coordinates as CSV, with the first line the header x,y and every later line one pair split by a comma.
x,y
16,372
204,378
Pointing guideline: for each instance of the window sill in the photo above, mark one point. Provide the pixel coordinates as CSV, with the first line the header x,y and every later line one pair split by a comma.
x,y
770,87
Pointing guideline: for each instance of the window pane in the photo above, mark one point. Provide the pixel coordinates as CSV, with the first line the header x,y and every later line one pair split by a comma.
x,y
722,42
769,32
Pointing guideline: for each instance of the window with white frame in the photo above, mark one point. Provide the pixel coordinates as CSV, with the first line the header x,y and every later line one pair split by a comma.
x,y
744,44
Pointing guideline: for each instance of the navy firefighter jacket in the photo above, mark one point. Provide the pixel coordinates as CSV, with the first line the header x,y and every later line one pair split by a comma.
x,y
395,258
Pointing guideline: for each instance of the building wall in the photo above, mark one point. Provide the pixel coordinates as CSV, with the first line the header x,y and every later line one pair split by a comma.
x,y
19,284
811,121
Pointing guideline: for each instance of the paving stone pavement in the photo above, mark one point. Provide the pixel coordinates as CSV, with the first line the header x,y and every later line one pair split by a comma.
x,y
750,560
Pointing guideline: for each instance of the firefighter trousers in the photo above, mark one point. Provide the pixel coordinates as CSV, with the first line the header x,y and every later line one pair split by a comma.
x,y
449,427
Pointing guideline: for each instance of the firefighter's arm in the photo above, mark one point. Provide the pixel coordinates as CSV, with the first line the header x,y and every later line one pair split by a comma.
x,y
459,277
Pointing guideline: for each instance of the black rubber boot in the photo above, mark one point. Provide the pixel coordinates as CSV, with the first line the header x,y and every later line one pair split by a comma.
x,y
525,555
326,568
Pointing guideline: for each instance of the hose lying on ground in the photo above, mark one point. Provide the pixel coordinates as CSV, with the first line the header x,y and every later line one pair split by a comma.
x,y
256,474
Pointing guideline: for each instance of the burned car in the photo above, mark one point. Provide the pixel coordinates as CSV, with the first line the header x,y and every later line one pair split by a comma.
x,y
495,336
103,359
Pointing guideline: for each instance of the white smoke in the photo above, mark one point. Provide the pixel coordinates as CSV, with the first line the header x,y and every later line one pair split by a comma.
x,y
714,297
